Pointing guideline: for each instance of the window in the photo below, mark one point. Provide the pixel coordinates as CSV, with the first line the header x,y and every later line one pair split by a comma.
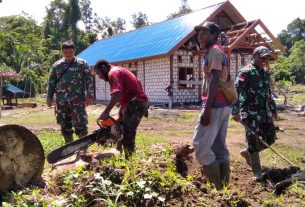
x,y
242,60
186,74
191,59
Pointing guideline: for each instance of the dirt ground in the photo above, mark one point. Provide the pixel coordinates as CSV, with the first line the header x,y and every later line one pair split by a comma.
x,y
175,127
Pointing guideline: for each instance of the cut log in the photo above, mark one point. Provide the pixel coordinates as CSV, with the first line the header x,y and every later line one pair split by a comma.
x,y
21,157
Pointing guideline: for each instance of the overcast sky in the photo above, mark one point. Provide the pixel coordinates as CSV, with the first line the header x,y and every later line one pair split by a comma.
x,y
276,14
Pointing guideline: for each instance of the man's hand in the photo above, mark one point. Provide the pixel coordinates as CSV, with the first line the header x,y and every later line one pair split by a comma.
x,y
236,117
104,115
88,101
206,117
49,103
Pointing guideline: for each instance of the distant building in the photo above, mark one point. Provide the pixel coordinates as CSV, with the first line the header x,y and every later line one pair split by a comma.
x,y
166,53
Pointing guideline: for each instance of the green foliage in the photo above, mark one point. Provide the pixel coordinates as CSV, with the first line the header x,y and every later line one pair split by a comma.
x,y
295,31
107,27
297,62
183,9
75,16
86,14
139,20
291,68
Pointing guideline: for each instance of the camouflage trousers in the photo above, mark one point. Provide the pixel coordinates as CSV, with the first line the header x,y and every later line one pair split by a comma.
x,y
71,115
132,116
265,130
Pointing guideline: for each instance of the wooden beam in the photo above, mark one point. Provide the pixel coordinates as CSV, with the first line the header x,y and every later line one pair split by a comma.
x,y
235,31
239,25
276,42
230,6
232,46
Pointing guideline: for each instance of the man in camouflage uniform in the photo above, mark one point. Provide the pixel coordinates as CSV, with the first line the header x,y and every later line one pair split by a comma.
x,y
126,90
72,82
255,107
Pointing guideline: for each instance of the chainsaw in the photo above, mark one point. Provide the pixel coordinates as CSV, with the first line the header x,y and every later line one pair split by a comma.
x,y
110,131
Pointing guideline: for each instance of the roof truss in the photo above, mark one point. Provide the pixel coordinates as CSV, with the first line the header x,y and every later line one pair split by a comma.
x,y
245,36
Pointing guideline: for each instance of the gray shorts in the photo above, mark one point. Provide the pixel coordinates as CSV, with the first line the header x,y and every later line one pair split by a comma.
x,y
209,141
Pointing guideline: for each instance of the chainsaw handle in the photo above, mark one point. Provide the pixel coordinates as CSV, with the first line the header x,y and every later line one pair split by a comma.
x,y
98,121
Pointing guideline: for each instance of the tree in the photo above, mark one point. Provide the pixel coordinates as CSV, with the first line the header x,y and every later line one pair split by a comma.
x,y
20,42
183,9
297,62
86,13
291,68
295,31
107,27
119,26
56,25
75,16
139,20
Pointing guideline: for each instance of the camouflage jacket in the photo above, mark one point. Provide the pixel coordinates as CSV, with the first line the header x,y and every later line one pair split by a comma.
x,y
76,83
254,94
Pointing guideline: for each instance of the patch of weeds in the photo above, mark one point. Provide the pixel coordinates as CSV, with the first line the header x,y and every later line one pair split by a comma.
x,y
50,140
273,202
187,115
148,138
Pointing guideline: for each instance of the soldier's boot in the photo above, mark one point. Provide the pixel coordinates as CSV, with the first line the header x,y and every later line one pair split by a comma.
x,y
212,172
245,154
225,171
256,166
68,137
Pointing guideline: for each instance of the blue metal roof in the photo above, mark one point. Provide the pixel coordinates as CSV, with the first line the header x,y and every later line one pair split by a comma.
x,y
13,89
152,40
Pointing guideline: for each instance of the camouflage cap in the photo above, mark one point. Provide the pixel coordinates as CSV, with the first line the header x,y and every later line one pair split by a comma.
x,y
262,51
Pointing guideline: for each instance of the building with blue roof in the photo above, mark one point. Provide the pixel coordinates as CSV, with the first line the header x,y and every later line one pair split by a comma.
x,y
167,54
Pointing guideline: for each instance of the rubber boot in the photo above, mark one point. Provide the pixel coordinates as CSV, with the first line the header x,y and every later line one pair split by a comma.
x,y
212,172
245,154
225,173
256,166
68,137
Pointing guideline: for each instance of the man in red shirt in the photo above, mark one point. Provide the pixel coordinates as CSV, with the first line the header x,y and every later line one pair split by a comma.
x,y
126,90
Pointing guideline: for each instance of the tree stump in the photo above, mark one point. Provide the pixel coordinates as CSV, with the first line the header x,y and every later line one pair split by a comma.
x,y
21,157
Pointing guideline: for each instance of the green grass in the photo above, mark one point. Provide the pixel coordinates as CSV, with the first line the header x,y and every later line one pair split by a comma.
x,y
270,159
299,98
38,100
50,140
299,88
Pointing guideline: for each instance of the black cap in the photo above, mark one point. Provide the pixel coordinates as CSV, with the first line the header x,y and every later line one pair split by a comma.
x,y
210,26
